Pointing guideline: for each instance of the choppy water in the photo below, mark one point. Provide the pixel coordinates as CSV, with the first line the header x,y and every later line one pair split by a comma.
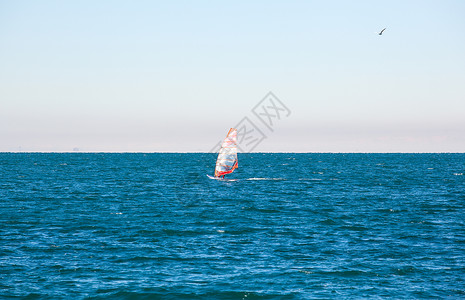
x,y
291,226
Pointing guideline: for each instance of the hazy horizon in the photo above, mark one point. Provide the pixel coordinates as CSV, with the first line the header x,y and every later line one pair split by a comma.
x,y
199,152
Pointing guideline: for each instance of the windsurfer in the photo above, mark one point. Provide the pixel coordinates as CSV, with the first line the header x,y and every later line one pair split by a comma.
x,y
227,156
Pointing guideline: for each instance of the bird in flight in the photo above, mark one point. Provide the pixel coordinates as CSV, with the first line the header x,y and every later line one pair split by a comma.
x,y
381,32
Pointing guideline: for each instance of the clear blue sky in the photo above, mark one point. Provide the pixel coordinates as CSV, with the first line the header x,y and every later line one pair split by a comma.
x,y
176,75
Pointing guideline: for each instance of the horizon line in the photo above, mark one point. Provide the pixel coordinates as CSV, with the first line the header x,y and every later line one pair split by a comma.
x,y
201,152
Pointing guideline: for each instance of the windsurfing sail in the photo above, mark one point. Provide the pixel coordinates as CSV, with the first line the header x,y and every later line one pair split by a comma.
x,y
227,157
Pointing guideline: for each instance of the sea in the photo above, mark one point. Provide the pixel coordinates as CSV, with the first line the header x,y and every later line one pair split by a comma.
x,y
282,226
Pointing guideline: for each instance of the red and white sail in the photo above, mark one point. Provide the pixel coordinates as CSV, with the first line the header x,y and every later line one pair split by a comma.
x,y
227,157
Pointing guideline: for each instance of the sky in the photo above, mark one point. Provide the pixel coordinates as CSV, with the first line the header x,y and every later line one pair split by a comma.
x,y
174,76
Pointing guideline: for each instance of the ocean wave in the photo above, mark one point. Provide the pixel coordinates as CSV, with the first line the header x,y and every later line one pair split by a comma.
x,y
256,178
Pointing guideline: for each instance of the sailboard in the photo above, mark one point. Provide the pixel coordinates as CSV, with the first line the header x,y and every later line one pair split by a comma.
x,y
226,162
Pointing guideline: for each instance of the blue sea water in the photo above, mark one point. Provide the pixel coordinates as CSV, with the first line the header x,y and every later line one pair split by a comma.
x,y
284,226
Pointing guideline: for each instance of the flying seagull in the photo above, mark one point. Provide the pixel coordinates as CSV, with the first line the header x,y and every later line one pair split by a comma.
x,y
381,32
